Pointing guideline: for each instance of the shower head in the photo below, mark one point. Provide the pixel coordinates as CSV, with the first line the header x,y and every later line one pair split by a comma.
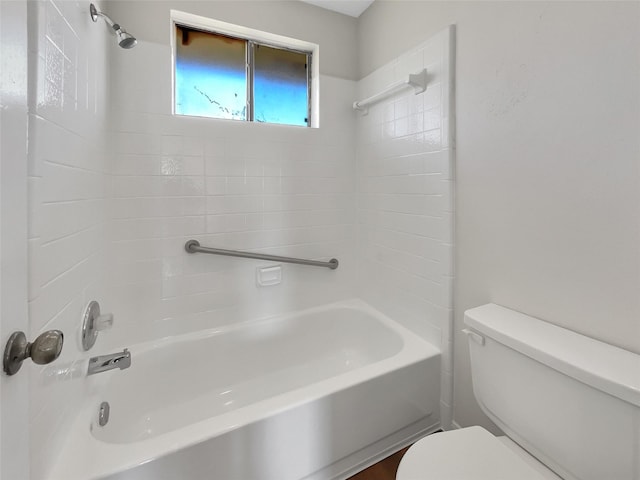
x,y
125,40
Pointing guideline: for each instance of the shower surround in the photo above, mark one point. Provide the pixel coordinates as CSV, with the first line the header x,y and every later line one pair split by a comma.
x,y
118,184
405,203
228,184
67,183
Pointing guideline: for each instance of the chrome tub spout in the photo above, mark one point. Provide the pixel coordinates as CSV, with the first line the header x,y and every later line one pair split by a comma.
x,y
102,363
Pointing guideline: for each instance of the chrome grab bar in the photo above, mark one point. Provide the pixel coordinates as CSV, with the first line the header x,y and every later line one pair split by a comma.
x,y
193,246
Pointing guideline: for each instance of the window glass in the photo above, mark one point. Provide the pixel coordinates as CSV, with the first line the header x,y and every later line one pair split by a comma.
x,y
280,86
210,75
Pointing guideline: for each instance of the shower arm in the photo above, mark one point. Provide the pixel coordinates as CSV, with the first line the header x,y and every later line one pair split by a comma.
x,y
95,13
125,40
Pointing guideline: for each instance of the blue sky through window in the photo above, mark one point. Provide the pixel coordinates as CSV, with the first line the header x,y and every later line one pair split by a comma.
x,y
207,91
210,79
280,102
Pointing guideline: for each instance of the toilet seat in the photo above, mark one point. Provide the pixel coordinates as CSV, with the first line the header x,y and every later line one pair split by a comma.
x,y
469,454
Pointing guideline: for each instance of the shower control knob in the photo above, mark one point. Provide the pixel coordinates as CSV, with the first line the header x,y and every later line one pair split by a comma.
x,y
93,322
45,349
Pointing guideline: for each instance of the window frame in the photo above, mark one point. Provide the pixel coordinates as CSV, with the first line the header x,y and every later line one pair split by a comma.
x,y
252,37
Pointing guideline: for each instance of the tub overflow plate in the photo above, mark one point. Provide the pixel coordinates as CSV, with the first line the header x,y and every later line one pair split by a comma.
x,y
103,414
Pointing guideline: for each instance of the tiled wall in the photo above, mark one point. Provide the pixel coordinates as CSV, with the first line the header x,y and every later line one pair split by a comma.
x,y
67,126
273,189
405,199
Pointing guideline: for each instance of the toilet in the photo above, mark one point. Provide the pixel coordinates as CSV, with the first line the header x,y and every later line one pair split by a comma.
x,y
569,406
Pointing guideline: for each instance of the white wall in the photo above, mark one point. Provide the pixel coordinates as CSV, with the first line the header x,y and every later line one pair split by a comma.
x,y
548,156
404,194
67,129
246,186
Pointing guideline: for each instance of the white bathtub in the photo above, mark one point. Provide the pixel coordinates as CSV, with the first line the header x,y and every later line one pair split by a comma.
x,y
315,395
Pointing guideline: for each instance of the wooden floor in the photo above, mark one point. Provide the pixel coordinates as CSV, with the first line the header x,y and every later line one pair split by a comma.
x,y
383,470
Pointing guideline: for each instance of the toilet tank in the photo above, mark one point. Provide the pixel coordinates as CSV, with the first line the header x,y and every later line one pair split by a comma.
x,y
570,401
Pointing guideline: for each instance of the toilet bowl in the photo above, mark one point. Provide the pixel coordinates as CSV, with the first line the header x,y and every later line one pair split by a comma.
x,y
568,404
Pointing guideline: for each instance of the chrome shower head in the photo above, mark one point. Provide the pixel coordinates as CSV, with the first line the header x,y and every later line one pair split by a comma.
x,y
125,40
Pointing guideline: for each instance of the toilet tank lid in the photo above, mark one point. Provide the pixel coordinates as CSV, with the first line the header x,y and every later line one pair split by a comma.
x,y
607,368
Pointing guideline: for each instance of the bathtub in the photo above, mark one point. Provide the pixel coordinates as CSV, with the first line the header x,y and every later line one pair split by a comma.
x,y
318,394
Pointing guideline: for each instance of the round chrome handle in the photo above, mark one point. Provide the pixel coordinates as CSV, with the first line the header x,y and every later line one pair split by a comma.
x,y
94,322
45,349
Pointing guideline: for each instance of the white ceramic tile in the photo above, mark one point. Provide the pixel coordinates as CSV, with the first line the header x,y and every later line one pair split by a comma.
x,y
66,201
236,174
405,200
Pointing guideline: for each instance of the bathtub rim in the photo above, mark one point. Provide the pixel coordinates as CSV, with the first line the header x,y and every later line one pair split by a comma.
x,y
85,457
352,304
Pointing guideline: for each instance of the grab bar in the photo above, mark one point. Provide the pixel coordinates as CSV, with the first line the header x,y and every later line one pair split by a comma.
x,y
193,246
418,81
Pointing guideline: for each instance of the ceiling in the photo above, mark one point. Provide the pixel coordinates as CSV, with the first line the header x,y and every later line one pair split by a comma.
x,y
352,8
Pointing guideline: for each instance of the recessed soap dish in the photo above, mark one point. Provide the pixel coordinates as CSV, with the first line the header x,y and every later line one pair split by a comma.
x,y
268,276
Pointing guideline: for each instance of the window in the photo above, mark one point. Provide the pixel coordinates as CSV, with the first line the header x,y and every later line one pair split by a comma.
x,y
210,77
221,75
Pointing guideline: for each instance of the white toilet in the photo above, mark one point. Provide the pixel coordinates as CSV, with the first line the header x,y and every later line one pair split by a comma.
x,y
569,405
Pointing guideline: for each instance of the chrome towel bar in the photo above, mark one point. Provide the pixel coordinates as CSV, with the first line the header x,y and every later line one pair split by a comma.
x,y
193,246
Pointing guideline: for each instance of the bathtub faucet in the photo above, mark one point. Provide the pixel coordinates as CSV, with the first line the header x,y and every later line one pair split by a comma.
x,y
102,363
